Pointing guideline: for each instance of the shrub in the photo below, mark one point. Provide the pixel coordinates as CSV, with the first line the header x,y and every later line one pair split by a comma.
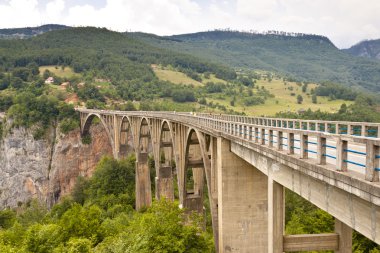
x,y
43,238
68,124
7,218
253,101
182,96
86,139
299,99
79,245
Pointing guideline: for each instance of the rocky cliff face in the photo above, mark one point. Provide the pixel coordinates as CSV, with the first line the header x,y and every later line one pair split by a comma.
x,y
46,169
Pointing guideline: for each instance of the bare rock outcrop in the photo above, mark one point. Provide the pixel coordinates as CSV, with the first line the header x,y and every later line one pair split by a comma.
x,y
46,169
71,159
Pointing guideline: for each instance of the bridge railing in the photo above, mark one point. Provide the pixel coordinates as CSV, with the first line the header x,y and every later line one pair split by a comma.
x,y
364,129
342,151
334,144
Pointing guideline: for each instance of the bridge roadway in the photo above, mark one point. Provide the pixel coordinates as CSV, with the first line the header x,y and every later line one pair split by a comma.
x,y
246,163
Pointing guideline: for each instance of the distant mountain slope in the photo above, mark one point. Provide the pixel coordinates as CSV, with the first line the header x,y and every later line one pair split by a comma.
x,y
11,33
306,57
368,49
111,55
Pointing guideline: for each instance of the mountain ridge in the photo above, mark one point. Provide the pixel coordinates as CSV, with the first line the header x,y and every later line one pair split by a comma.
x,y
27,32
367,48
221,34
311,58
301,57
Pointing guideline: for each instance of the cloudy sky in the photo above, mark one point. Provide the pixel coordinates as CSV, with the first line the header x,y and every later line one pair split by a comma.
x,y
345,22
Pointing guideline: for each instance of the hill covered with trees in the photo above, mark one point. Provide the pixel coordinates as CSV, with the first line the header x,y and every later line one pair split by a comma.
x,y
108,67
14,33
367,49
303,57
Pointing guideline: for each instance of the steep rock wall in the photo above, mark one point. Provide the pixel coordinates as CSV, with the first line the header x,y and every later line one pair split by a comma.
x,y
46,169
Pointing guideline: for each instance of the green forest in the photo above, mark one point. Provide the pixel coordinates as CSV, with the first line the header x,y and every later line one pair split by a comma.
x,y
304,57
99,216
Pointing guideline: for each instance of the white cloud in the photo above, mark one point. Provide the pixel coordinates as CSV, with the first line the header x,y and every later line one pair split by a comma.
x,y
157,16
54,9
344,21
17,13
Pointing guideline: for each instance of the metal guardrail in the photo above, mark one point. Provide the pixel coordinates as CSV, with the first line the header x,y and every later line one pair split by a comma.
x,y
328,142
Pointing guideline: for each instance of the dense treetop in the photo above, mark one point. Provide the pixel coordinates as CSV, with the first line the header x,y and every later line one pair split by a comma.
x,y
113,55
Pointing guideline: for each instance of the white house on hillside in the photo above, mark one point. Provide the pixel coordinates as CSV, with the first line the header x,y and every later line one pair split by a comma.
x,y
49,80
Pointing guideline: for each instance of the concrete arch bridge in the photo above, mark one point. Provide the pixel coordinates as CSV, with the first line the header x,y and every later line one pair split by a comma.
x,y
245,163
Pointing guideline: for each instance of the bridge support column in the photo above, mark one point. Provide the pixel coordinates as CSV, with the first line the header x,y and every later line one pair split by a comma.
x,y
143,184
242,203
116,134
164,183
345,237
276,216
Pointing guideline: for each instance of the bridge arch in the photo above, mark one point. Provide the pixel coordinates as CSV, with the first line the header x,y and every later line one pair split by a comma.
x,y
143,179
144,136
126,138
87,125
164,168
194,171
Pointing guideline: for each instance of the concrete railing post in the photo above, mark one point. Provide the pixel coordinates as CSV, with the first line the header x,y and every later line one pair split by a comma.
x,y
279,140
321,150
341,155
350,129
372,162
304,146
262,136
270,138
364,131
290,143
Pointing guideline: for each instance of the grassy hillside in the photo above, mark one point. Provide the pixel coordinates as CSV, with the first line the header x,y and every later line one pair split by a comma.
x,y
174,76
177,77
305,57
283,94
64,72
283,100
